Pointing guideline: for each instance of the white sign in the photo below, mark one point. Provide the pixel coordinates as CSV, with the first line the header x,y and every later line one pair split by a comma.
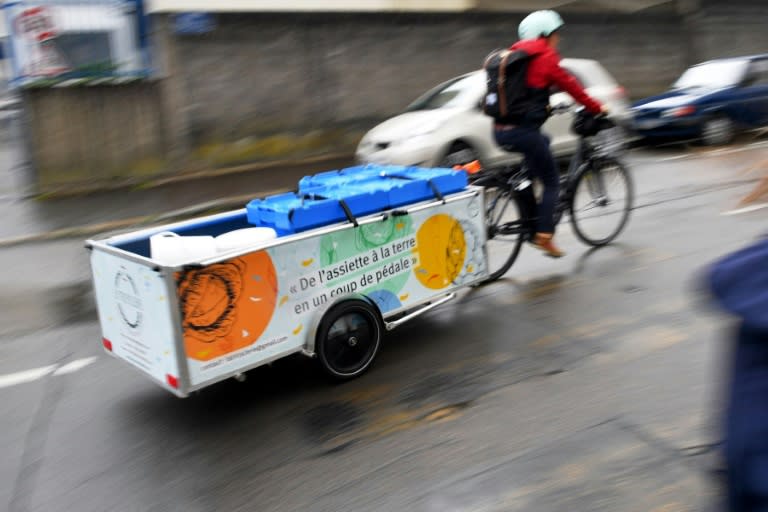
x,y
55,41
134,310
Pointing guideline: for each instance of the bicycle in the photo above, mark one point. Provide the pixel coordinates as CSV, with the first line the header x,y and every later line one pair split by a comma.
x,y
511,206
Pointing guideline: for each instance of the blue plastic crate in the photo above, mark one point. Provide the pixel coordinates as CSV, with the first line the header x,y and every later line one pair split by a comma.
x,y
349,175
362,197
322,179
401,192
403,185
447,181
290,212
365,189
339,177
412,184
316,207
261,212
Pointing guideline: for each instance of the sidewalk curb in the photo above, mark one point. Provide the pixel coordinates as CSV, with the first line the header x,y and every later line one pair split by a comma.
x,y
233,202
89,230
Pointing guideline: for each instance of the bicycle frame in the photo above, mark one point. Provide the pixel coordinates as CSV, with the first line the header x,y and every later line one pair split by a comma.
x,y
514,178
583,158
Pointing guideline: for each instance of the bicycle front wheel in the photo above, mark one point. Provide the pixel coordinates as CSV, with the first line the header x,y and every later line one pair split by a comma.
x,y
504,222
602,200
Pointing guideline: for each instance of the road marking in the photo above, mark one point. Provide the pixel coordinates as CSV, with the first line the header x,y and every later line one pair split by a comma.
x,y
23,377
14,379
746,209
74,366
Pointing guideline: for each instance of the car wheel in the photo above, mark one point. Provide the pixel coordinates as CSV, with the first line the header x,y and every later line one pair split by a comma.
x,y
459,153
717,131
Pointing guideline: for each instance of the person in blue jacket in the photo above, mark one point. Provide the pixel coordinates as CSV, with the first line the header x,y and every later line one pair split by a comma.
x,y
740,285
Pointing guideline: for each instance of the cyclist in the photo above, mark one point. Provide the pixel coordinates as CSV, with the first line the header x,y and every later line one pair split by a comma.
x,y
539,38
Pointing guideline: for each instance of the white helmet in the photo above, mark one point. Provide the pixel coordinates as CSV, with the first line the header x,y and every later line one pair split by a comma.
x,y
539,24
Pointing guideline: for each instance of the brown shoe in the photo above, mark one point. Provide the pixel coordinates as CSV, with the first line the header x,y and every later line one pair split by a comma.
x,y
543,242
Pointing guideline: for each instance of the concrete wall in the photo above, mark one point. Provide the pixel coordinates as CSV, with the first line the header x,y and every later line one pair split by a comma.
x,y
264,74
95,136
261,73
730,29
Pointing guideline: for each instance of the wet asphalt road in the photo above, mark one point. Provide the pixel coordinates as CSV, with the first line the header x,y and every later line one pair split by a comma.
x,y
587,383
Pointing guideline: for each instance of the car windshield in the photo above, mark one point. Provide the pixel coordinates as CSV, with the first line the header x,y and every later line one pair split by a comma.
x,y
713,75
464,91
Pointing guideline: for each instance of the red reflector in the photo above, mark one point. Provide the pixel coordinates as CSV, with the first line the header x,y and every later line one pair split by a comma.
x,y
172,381
107,344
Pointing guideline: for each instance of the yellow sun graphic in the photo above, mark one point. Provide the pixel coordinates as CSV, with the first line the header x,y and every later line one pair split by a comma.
x,y
441,249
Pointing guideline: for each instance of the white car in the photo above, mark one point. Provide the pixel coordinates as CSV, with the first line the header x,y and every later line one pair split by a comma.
x,y
446,126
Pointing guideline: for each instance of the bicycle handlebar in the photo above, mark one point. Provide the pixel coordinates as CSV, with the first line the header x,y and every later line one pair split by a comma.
x,y
604,118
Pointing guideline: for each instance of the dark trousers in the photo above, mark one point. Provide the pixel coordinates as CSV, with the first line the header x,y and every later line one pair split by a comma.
x,y
534,145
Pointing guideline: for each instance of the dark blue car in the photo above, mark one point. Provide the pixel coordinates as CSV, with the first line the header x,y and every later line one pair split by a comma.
x,y
711,101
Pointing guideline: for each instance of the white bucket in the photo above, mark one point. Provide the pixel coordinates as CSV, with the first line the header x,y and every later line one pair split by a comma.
x,y
169,248
243,238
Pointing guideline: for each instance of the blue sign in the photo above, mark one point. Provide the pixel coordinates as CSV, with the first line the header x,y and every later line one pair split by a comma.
x,y
194,23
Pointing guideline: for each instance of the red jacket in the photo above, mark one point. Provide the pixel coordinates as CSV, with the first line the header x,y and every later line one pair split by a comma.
x,y
544,71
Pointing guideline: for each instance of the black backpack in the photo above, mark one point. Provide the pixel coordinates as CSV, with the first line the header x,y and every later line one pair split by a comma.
x,y
507,99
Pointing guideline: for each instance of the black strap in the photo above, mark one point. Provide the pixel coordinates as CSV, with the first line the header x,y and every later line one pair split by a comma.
x,y
436,191
432,186
344,206
348,212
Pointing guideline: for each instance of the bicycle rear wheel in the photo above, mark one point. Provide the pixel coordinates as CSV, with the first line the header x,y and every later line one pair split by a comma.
x,y
504,222
602,200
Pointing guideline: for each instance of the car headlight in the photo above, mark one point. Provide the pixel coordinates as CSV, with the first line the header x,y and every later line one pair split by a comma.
x,y
683,111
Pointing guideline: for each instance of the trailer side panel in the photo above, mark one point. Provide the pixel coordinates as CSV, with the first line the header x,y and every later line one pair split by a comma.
x,y
133,304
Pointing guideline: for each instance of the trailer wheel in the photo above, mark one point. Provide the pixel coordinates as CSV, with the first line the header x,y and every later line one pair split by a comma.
x,y
348,338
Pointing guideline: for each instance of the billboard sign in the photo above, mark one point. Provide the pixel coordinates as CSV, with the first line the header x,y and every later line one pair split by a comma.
x,y
60,42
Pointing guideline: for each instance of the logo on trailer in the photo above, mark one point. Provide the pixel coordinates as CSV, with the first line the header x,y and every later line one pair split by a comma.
x,y
128,299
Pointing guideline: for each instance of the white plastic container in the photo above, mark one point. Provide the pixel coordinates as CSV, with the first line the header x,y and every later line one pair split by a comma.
x,y
244,238
170,248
